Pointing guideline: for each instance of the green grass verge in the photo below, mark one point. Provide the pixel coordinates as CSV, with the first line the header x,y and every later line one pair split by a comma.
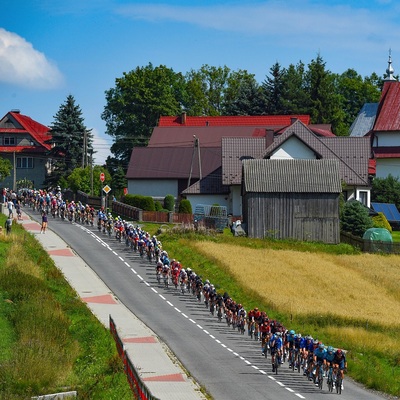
x,y
379,371
50,341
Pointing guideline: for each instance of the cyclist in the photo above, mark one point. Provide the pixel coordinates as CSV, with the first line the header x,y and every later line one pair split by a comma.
x,y
329,357
339,363
289,344
276,346
319,360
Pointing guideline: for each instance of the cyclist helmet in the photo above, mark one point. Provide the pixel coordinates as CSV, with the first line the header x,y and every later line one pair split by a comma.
x,y
321,346
330,349
279,334
339,351
207,281
292,332
299,335
188,269
183,270
315,342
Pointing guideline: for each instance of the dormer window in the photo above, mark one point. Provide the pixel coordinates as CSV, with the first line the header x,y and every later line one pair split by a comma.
x,y
9,141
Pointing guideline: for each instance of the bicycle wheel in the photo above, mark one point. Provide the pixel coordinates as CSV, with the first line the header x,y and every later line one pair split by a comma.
x,y
320,378
338,385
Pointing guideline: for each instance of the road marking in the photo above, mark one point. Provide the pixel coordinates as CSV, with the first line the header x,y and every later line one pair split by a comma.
x,y
191,320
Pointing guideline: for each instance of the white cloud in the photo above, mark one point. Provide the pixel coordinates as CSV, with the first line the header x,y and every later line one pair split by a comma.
x,y
299,23
21,64
101,146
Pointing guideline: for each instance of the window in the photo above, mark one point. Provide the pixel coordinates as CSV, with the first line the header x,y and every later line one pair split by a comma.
x,y
363,197
24,162
9,141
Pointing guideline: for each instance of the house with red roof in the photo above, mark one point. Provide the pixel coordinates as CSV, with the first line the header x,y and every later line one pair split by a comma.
x,y
381,123
23,143
200,158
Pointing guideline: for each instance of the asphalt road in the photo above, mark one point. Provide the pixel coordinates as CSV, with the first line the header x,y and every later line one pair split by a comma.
x,y
227,364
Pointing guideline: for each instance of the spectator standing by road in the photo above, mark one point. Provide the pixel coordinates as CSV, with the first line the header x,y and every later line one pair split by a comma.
x,y
8,224
10,206
44,222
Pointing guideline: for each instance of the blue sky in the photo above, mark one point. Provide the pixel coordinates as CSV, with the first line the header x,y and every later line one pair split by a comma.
x,y
52,48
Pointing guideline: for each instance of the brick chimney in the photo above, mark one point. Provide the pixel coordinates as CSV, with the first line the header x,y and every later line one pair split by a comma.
x,y
183,118
269,137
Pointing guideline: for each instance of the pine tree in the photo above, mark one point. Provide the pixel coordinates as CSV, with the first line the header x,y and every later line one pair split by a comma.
x,y
71,142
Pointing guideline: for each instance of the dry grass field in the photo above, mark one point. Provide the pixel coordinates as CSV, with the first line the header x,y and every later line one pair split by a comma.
x,y
311,283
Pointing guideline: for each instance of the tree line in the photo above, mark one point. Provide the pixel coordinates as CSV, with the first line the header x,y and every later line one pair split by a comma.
x,y
138,99
142,95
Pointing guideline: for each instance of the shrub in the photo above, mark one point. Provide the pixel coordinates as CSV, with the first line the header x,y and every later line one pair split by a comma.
x,y
185,207
143,202
169,202
380,221
355,218
158,206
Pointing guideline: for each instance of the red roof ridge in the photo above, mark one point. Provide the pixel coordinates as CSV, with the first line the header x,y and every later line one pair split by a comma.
x,y
228,120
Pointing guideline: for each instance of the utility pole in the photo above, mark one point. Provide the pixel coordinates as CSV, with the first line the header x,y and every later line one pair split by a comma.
x,y
196,144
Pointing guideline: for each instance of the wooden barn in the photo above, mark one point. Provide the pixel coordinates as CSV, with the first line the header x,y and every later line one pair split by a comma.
x,y
292,198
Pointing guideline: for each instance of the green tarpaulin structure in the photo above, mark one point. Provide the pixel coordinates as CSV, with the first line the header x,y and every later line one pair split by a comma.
x,y
378,235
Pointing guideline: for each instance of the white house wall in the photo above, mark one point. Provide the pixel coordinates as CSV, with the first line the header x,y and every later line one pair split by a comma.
x,y
235,206
386,166
221,200
153,187
387,139
293,148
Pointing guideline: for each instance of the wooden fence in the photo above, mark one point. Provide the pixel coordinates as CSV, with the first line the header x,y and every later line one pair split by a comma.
x,y
370,246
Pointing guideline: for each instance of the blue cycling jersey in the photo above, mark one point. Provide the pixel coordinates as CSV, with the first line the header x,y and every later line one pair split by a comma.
x,y
330,356
320,353
290,338
277,340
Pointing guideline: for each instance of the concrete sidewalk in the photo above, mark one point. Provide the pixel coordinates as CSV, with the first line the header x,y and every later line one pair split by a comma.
x,y
158,368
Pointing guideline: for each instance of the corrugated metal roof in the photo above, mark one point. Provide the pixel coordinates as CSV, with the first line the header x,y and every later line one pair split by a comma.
x,y
364,121
237,120
234,150
354,153
211,184
171,163
291,176
209,136
388,118
387,152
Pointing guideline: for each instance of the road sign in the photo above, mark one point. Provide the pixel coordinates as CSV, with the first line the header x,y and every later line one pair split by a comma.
x,y
106,189
102,177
